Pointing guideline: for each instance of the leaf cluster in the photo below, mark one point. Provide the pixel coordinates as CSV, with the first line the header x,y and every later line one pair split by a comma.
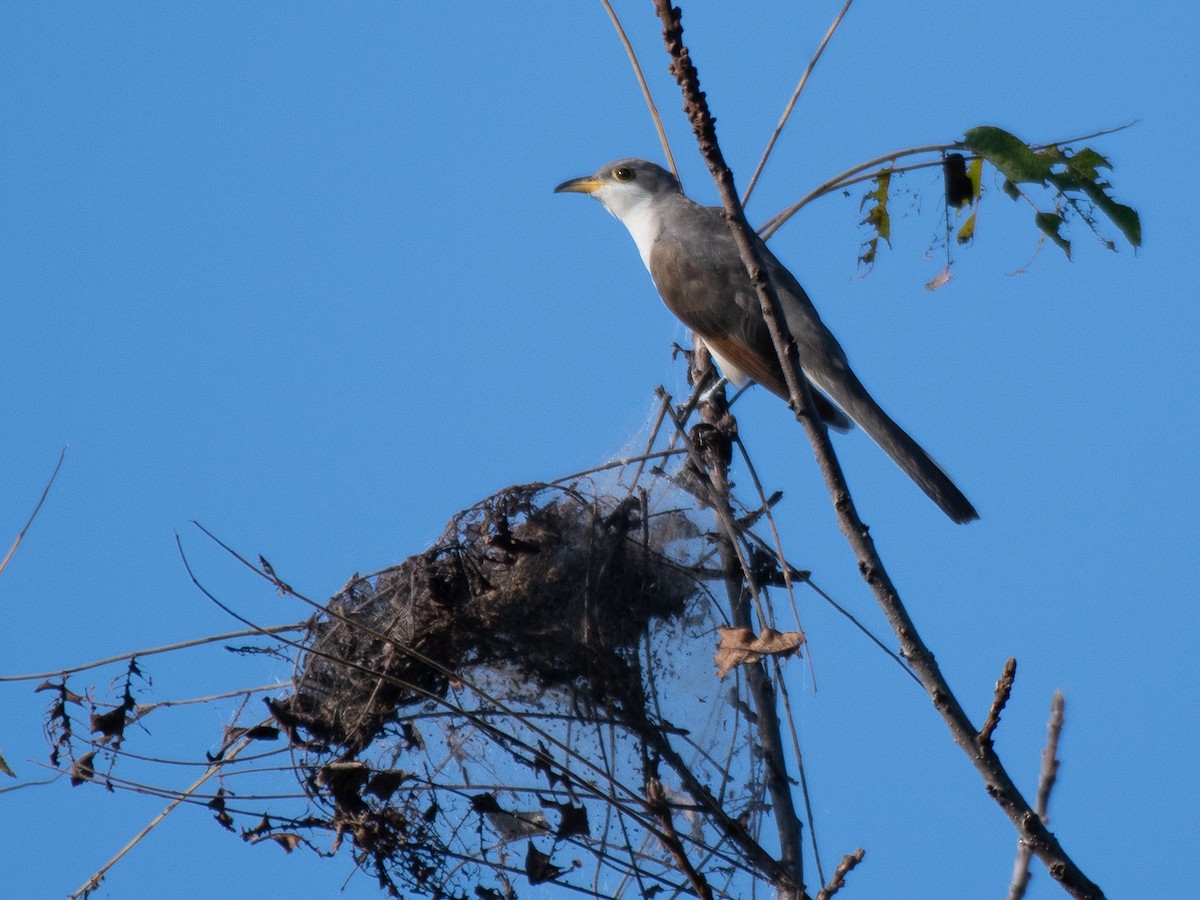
x,y
1075,178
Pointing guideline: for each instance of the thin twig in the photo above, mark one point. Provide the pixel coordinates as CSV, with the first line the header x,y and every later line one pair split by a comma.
x,y
824,595
847,178
794,733
786,568
657,803
730,827
616,464
94,882
1049,773
1086,137
718,499
786,819
1003,691
787,112
739,576
166,648
849,862
737,573
641,78
33,515
654,430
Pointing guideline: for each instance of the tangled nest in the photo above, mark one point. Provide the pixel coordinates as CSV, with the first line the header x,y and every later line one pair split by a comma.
x,y
554,586
539,596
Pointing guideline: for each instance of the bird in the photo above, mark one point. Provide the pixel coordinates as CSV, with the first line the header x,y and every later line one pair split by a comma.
x,y
697,269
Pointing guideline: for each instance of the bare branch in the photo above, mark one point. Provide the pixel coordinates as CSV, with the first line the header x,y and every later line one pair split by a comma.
x,y
1049,773
166,648
855,174
94,881
787,112
656,802
849,862
33,515
788,872
786,819
1050,755
1003,692
848,177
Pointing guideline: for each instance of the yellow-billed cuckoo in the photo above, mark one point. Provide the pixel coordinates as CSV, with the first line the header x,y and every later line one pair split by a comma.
x,y
699,273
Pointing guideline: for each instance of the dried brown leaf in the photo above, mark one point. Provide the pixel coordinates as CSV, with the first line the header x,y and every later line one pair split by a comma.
x,y
538,867
110,724
573,819
739,646
384,784
941,280
287,840
83,769
217,805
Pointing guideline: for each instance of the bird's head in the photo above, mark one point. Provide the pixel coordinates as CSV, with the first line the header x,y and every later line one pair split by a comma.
x,y
624,186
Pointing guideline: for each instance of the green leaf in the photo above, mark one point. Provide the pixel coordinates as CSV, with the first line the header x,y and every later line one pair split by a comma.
x,y
1068,174
1124,217
1008,153
1050,223
1086,162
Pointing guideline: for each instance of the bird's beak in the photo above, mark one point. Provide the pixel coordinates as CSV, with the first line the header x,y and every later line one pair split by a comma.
x,y
585,185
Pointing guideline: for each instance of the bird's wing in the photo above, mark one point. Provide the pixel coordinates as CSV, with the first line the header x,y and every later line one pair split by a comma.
x,y
711,293
706,286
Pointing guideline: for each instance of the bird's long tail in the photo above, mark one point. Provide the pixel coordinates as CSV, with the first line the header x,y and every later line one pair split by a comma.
x,y
848,392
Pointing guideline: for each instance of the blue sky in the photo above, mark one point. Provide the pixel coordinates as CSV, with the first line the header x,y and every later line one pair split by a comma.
x,y
296,271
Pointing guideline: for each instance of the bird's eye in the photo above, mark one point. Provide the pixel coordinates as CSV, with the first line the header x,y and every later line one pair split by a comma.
x,y
624,173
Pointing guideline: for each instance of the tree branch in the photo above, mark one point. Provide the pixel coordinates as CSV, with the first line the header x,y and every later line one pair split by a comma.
x,y
786,873
997,780
849,862
787,112
1020,877
1003,691
656,802
33,515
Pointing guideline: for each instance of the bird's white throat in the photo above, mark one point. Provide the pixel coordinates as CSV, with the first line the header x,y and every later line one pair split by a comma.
x,y
638,213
